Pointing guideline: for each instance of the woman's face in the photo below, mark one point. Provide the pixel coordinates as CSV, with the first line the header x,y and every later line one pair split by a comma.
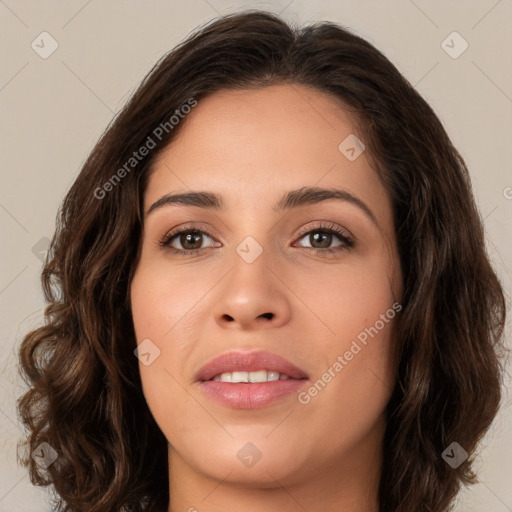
x,y
311,278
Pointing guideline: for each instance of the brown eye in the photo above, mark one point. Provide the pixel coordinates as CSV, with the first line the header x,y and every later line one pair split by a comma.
x,y
321,239
190,240
186,240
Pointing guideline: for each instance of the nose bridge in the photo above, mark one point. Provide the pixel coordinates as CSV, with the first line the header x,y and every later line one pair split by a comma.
x,y
251,293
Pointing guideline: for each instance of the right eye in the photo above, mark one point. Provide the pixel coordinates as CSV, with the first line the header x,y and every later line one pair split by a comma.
x,y
190,240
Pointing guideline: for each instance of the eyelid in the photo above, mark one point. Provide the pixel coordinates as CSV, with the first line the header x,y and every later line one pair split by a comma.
x,y
327,226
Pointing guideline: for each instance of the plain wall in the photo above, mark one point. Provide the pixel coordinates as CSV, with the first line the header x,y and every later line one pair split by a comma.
x,y
54,109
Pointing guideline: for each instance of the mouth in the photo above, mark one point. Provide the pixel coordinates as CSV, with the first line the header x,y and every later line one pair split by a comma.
x,y
255,366
247,380
250,377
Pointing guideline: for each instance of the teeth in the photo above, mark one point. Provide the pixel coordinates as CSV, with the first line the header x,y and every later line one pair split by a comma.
x,y
238,377
258,376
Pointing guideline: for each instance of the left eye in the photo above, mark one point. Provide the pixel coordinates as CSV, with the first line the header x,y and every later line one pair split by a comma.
x,y
323,239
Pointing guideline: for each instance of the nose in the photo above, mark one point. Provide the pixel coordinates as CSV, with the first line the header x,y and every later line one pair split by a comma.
x,y
252,296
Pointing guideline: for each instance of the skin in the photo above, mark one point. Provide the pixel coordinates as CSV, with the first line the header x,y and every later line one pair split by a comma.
x,y
252,146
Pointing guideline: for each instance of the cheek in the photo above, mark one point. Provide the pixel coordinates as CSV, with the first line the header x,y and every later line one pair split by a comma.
x,y
348,298
161,301
349,392
162,309
355,373
362,367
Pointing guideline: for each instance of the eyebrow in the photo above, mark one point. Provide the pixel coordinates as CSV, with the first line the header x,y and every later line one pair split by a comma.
x,y
304,196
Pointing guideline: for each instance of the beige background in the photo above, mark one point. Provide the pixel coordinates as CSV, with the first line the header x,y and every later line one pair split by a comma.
x,y
54,109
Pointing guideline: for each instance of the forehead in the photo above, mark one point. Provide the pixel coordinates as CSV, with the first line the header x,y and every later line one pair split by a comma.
x,y
251,145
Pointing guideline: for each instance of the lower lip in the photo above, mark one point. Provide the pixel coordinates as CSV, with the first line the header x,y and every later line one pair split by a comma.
x,y
243,395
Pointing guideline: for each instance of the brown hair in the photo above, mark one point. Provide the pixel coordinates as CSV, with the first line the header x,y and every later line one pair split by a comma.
x,y
85,397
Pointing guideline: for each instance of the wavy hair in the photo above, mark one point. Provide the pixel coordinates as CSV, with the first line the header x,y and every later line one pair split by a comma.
x,y
85,396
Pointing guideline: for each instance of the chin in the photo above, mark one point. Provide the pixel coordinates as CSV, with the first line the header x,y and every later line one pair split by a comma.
x,y
248,461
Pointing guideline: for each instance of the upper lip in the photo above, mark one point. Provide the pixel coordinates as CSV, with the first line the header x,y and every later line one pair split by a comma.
x,y
249,362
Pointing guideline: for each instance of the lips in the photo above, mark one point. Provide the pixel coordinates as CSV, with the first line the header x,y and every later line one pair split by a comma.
x,y
249,362
240,370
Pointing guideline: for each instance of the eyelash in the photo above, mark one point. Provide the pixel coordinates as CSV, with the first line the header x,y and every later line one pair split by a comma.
x,y
347,241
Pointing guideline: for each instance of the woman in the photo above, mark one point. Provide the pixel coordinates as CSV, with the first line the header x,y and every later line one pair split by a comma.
x,y
268,287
